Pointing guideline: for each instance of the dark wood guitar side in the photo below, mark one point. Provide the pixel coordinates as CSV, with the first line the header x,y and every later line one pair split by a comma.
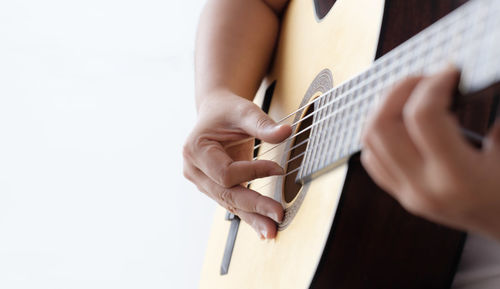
x,y
374,242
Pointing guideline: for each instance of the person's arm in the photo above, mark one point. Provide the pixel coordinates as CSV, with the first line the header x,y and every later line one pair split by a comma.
x,y
235,41
234,45
413,148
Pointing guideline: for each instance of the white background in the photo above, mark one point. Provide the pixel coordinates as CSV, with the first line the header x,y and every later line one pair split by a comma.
x,y
96,98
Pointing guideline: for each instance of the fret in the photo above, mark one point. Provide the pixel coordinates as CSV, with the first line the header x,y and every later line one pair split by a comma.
x,y
327,135
314,135
330,137
485,73
333,127
348,133
468,37
319,131
469,67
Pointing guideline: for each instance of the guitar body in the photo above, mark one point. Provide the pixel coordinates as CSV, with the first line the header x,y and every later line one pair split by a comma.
x,y
342,231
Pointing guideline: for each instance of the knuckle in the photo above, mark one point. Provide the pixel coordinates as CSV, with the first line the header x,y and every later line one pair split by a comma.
x,y
186,150
377,123
367,136
197,142
421,105
186,174
257,204
417,113
226,197
193,146
365,159
262,122
371,130
410,203
244,108
232,209
420,205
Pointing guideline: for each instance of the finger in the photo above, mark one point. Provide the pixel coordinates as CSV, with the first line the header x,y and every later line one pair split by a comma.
x,y
257,123
492,141
386,134
378,172
228,173
265,227
395,149
250,201
241,152
245,171
431,126
393,104
240,198
213,160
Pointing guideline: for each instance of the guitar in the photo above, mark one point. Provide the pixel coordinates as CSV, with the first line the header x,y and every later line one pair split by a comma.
x,y
333,63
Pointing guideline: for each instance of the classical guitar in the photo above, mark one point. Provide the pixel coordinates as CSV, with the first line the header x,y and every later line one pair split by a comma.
x,y
333,63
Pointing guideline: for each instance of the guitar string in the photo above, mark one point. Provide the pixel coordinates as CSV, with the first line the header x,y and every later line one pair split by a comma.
x,y
286,163
465,132
401,61
376,97
418,69
322,142
349,93
338,110
320,121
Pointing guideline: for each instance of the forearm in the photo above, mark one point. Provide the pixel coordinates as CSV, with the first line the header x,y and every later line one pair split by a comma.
x,y
234,45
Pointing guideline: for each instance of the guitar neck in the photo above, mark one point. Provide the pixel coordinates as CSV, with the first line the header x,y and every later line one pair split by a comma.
x,y
468,38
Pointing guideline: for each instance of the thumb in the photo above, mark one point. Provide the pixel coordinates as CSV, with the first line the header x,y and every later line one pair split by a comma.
x,y
258,124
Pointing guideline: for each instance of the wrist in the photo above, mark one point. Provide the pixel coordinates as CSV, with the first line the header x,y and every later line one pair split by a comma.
x,y
211,99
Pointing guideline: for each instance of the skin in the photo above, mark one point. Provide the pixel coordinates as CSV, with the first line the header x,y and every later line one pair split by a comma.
x,y
234,45
413,147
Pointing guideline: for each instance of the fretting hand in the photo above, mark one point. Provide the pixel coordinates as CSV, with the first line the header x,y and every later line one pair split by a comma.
x,y
219,170
413,148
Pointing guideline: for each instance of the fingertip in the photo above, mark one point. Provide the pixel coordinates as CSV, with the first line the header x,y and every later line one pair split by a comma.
x,y
276,170
448,77
451,68
262,225
285,129
277,134
276,214
268,230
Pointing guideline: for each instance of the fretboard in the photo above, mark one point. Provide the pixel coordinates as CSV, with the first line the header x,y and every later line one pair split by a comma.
x,y
469,38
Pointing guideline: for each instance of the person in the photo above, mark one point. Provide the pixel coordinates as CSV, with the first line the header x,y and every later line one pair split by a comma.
x,y
413,147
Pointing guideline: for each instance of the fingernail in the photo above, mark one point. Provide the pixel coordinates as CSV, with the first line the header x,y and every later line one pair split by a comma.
x,y
274,216
263,234
277,171
273,128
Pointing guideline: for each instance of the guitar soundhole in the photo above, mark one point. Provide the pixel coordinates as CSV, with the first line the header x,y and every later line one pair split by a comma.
x,y
299,145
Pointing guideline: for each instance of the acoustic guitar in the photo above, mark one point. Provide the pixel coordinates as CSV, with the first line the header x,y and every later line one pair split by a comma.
x,y
333,63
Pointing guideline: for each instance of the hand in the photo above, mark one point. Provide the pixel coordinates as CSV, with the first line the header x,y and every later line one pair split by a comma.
x,y
220,170
413,148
